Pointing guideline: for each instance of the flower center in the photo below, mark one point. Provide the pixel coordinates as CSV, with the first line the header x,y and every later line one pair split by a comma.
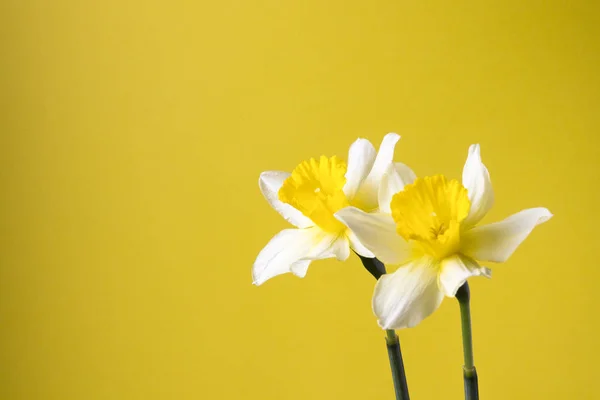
x,y
429,212
315,188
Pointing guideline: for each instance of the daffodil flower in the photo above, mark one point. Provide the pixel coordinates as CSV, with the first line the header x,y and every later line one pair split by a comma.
x,y
308,199
429,229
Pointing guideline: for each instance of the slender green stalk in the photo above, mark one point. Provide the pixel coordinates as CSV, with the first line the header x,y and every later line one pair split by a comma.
x,y
469,372
397,365
373,265
377,269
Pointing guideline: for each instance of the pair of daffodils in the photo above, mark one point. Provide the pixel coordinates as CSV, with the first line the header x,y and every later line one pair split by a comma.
x,y
379,208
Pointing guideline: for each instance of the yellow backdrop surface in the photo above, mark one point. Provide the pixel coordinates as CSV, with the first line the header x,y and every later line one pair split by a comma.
x,y
132,137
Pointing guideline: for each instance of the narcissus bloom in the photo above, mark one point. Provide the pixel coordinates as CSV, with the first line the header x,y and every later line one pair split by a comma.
x,y
429,229
311,194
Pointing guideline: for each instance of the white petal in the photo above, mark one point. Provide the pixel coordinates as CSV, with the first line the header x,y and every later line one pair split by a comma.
x,y
360,161
377,232
299,268
455,270
393,181
269,183
496,242
369,190
406,173
385,155
357,246
287,248
409,295
339,248
476,179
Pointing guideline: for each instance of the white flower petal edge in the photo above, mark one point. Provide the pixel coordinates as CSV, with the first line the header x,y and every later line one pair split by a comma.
x,y
393,181
338,248
269,183
406,173
497,242
361,157
369,189
288,247
357,246
299,268
455,270
377,232
409,295
476,179
385,156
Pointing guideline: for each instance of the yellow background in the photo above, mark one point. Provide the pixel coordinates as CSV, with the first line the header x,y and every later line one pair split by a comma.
x,y
133,135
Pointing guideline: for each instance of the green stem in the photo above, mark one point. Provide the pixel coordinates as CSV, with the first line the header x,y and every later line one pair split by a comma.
x,y
469,372
373,265
397,365
377,269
